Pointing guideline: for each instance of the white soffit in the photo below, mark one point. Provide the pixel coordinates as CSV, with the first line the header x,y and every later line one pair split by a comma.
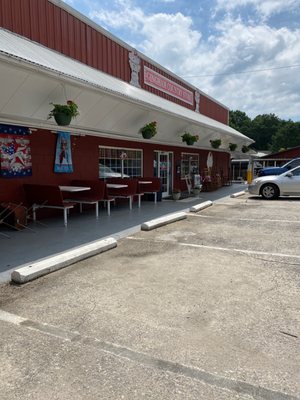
x,y
32,54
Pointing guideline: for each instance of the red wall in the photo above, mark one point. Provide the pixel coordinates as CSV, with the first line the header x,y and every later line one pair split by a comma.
x,y
48,24
85,156
286,154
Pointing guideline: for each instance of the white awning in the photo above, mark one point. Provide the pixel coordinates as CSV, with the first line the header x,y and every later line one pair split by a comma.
x,y
32,76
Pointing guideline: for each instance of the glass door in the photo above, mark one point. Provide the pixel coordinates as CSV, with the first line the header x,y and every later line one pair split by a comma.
x,y
163,169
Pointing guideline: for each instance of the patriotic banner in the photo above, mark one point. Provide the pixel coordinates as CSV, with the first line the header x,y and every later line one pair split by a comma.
x,y
14,130
15,153
63,155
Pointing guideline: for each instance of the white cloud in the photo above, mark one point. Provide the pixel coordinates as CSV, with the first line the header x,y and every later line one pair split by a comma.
x,y
163,37
169,38
241,48
173,41
266,7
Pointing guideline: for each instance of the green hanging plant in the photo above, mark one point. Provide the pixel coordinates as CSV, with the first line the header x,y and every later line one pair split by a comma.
x,y
216,143
63,113
232,146
189,139
149,130
245,149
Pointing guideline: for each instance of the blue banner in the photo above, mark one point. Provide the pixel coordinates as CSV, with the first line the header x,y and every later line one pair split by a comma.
x,y
63,155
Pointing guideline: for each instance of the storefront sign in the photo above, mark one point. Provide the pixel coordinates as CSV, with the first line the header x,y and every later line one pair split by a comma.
x,y
158,81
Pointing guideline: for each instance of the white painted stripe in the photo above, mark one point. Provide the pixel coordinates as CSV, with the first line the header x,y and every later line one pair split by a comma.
x,y
12,318
245,219
201,246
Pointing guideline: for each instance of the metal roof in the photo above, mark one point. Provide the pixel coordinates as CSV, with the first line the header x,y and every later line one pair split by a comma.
x,y
17,49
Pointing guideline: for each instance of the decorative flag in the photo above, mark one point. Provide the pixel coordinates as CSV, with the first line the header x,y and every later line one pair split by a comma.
x,y
14,130
63,155
15,154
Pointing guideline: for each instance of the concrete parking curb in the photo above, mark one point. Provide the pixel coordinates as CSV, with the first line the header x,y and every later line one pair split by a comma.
x,y
167,219
201,206
31,271
238,194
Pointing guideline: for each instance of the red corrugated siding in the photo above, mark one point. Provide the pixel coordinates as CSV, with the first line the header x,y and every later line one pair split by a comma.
x,y
46,23
213,110
291,153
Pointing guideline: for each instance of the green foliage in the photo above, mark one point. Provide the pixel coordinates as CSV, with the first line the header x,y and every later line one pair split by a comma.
x,y
269,132
70,108
240,121
287,136
189,138
150,128
216,143
245,149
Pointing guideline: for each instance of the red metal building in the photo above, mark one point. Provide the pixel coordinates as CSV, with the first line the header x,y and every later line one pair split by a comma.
x,y
51,53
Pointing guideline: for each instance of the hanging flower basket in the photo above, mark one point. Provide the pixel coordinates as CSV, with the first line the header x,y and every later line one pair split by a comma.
x,y
149,130
232,146
216,143
189,139
245,149
62,119
63,113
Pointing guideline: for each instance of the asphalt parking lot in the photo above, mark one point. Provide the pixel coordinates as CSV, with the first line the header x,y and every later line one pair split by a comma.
x,y
204,308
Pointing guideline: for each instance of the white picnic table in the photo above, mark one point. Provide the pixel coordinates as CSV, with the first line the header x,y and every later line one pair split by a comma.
x,y
116,185
70,188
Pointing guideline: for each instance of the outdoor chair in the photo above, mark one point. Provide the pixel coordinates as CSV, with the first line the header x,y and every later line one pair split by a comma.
x,y
129,190
14,216
150,188
47,196
96,194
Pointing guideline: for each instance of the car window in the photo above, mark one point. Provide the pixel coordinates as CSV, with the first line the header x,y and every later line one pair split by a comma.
x,y
296,172
292,164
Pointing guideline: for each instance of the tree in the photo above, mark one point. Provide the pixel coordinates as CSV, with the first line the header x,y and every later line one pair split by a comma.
x,y
240,121
263,128
267,130
287,136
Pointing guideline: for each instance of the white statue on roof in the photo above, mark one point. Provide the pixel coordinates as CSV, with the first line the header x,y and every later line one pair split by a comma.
x,y
197,100
134,62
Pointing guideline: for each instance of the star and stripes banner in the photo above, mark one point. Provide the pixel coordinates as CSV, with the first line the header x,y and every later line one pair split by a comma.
x,y
63,156
15,153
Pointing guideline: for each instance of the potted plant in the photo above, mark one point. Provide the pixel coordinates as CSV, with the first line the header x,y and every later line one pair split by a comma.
x,y
149,130
232,146
176,194
63,113
245,149
197,190
216,143
189,139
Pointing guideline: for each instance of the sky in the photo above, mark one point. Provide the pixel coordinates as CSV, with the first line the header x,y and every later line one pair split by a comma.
x,y
243,53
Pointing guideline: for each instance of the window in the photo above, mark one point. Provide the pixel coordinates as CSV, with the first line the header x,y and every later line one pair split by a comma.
x,y
111,160
189,164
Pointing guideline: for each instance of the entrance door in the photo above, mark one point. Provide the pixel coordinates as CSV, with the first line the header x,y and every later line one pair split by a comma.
x,y
163,169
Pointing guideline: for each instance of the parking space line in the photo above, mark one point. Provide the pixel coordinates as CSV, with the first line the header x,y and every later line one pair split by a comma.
x,y
229,249
245,219
224,383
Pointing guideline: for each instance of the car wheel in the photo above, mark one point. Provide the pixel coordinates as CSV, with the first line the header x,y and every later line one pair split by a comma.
x,y
269,191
